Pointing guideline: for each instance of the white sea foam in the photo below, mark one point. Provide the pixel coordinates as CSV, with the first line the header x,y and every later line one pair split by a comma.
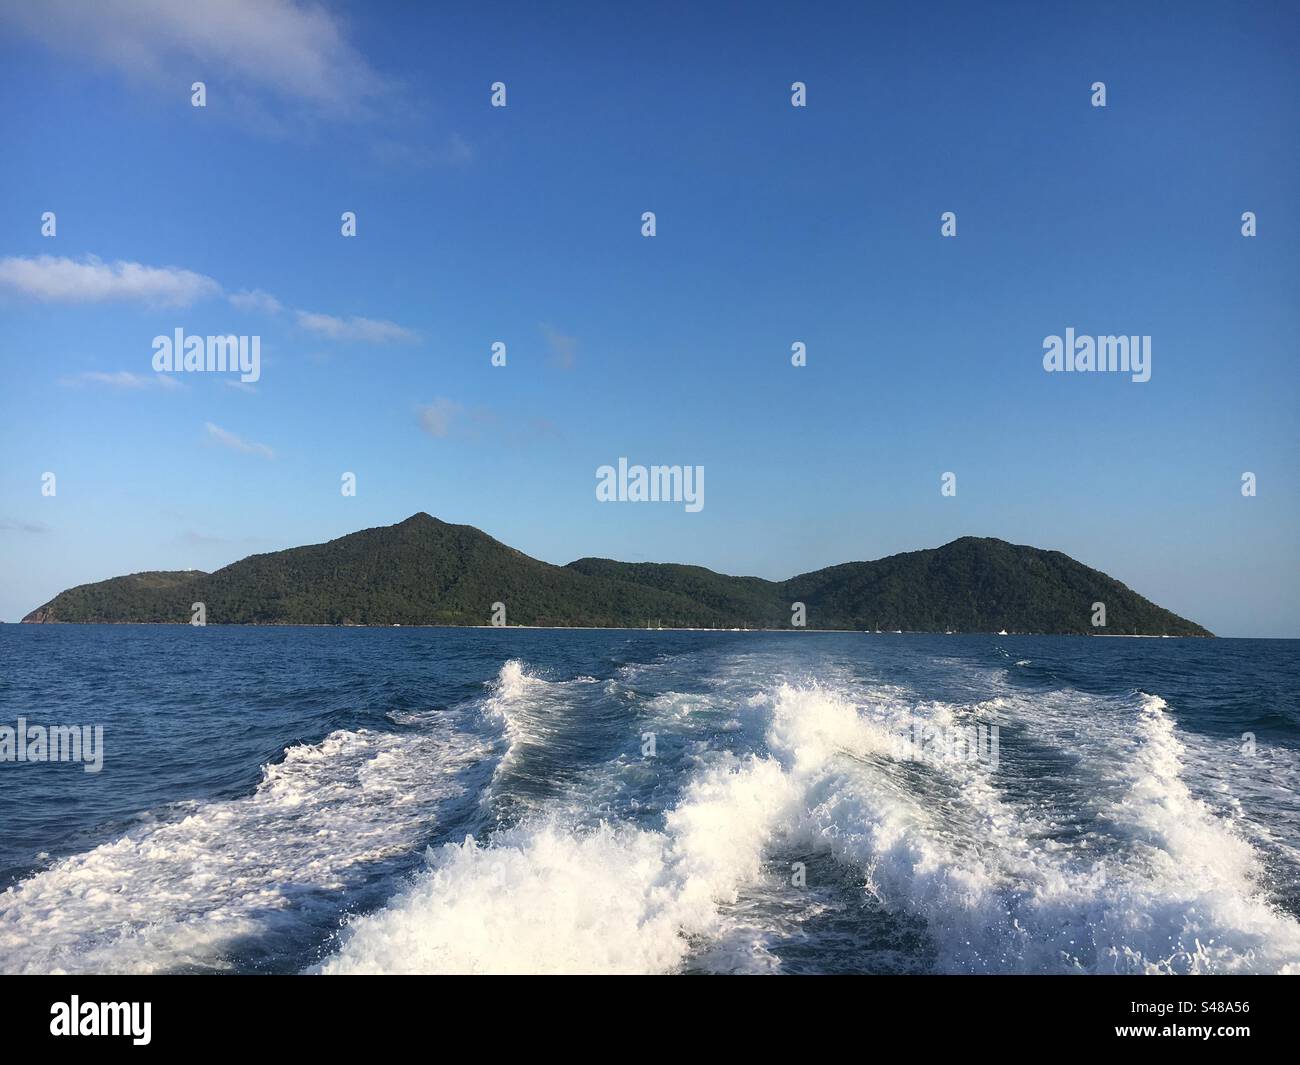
x,y
1189,897
1121,850
557,892
505,703
1155,881
542,722
531,710
1173,890
181,892
548,897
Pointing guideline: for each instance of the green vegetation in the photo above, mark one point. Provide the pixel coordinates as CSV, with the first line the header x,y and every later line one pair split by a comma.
x,y
425,572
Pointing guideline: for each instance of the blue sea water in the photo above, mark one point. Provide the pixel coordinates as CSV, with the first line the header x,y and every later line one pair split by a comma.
x,y
505,800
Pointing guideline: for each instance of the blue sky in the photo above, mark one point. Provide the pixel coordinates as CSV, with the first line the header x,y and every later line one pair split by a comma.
x,y
775,224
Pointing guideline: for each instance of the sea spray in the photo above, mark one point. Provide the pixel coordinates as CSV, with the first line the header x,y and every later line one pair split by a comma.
x,y
549,897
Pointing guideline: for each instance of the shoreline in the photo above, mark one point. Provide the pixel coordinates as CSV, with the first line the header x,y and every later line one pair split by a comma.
x,y
622,628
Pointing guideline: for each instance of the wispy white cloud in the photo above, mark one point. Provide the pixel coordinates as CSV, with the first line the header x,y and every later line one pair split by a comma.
x,y
542,428
256,300
455,151
237,443
564,349
122,379
36,528
297,51
56,279
446,419
192,537
370,330
439,418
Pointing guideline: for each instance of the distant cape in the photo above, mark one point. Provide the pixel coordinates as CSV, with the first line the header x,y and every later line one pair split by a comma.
x,y
423,571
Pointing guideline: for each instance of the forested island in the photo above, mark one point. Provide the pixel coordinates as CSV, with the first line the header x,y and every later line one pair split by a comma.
x,y
423,571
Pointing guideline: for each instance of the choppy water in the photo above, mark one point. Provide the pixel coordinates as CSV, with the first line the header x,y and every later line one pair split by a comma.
x,y
428,800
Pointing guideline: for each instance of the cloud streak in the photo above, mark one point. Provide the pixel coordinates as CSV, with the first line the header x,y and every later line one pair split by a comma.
x,y
121,379
54,279
370,330
256,300
439,418
237,443
454,151
445,419
564,349
292,50
36,528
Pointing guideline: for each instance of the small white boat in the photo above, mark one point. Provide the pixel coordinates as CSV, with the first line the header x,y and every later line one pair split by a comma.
x,y
1002,632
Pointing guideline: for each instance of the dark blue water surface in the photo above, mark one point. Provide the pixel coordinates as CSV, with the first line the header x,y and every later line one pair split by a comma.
x,y
279,799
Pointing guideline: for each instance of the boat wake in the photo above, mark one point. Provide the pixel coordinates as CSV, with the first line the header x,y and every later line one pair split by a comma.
x,y
1155,881
671,818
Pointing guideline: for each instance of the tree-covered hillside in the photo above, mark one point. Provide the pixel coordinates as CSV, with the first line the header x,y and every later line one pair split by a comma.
x,y
423,571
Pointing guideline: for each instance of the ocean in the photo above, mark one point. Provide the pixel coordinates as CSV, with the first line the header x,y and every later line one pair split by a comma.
x,y
283,800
